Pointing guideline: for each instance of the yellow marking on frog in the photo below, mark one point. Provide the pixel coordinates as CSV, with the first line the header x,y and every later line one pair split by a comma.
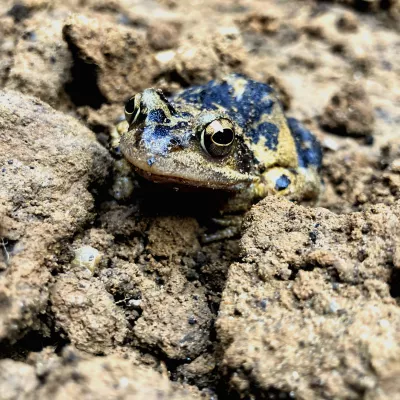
x,y
219,107
285,153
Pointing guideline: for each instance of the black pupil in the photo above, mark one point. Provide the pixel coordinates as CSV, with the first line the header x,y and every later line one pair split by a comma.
x,y
224,137
130,106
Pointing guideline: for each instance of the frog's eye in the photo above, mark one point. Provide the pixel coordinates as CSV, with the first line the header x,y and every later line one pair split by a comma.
x,y
132,109
218,137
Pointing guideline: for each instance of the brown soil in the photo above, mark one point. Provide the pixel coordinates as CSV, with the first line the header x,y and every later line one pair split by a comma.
x,y
305,305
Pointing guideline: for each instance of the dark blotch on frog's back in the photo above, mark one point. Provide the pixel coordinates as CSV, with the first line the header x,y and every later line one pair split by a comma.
x,y
158,116
159,138
246,109
308,148
267,130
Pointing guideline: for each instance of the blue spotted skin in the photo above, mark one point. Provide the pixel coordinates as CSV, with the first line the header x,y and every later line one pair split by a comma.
x,y
308,148
270,153
248,109
245,110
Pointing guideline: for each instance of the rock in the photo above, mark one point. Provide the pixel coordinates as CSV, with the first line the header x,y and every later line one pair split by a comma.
x,y
199,59
112,61
8,39
349,112
309,309
87,314
175,319
48,161
81,376
357,177
42,62
164,311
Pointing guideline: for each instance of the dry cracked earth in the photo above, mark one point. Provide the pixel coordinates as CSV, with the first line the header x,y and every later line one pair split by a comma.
x,y
304,305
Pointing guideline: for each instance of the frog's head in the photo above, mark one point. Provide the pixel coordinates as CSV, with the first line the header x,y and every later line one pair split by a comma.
x,y
178,143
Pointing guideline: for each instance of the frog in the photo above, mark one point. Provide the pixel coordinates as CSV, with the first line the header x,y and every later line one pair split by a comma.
x,y
228,135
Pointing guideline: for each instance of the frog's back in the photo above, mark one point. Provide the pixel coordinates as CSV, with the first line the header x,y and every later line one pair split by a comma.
x,y
274,140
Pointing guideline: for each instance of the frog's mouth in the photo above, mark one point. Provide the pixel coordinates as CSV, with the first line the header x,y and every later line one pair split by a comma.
x,y
189,182
214,180
193,172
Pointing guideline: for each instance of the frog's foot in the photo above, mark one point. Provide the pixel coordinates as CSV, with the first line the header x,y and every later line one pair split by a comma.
x,y
231,226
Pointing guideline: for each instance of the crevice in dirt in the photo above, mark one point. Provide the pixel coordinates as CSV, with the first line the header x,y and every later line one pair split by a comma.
x,y
83,89
131,306
394,284
295,270
172,76
225,390
34,341
331,272
364,6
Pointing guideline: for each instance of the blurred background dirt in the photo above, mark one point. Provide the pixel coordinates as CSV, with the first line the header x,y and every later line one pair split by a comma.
x,y
304,306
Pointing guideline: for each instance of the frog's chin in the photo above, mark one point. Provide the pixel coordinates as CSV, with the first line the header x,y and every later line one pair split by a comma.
x,y
190,182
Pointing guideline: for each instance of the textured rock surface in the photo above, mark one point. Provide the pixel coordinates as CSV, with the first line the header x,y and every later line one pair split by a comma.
x,y
47,162
116,58
42,62
87,314
84,377
76,375
310,312
349,112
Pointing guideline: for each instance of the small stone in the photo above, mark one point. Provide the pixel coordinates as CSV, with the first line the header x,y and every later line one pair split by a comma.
x,y
135,303
87,257
349,112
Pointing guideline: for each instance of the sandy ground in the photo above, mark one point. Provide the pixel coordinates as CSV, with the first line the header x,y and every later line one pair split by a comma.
x,y
305,305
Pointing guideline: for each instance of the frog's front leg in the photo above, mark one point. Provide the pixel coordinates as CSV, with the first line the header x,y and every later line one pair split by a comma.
x,y
231,216
231,226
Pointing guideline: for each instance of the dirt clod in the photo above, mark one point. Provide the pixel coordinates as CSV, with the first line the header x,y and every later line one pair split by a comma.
x,y
293,295
115,56
349,112
44,199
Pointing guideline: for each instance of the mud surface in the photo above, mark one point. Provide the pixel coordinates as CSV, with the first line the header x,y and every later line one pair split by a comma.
x,y
102,298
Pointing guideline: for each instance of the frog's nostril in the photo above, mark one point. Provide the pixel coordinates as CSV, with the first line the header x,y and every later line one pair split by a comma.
x,y
174,142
